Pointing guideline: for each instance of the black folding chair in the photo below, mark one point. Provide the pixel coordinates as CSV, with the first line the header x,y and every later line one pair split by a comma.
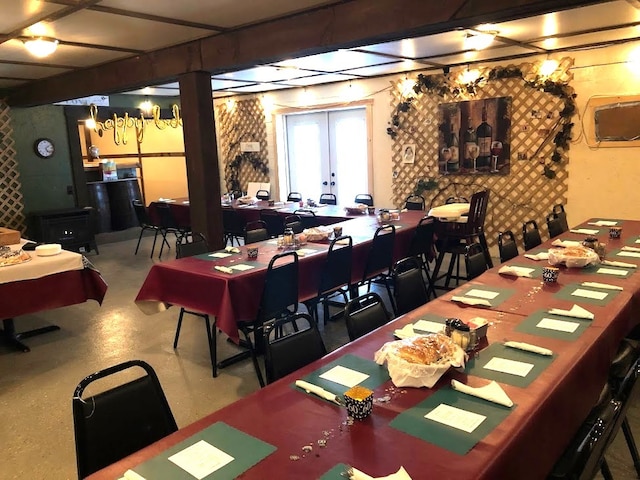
x,y
364,314
554,225
531,235
255,232
294,197
409,290
365,198
274,222
507,246
169,225
328,199
414,202
294,222
559,212
117,422
290,346
380,259
307,217
263,195
422,246
145,223
474,260
233,226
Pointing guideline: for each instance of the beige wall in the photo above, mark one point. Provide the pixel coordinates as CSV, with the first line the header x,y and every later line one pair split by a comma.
x,y
602,182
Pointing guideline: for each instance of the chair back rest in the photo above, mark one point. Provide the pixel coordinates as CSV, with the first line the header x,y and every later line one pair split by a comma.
x,y
414,202
365,198
531,235
297,345
380,255
475,261
337,267
263,195
275,223
197,246
422,241
167,219
560,214
280,292
142,215
307,217
507,246
115,423
478,210
232,221
409,289
554,225
294,222
294,197
364,314
255,232
328,199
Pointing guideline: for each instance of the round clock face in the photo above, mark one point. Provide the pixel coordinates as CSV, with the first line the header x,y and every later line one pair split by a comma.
x,y
44,147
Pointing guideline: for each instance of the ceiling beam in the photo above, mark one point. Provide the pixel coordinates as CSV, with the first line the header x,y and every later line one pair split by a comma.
x,y
342,25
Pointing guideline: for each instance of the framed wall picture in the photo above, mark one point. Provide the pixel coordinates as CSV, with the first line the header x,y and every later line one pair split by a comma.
x,y
408,153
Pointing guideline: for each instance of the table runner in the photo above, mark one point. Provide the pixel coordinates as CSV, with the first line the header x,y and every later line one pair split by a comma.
x,y
569,292
530,325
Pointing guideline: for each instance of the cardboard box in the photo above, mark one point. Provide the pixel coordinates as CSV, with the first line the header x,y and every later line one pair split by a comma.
x,y
8,236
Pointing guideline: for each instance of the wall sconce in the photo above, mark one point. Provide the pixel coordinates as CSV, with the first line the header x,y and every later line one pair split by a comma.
x,y
41,46
120,125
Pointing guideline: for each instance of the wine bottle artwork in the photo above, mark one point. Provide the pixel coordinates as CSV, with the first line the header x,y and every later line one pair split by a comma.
x,y
496,150
474,151
446,157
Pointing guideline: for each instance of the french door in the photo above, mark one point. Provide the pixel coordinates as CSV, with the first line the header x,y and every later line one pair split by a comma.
x,y
327,153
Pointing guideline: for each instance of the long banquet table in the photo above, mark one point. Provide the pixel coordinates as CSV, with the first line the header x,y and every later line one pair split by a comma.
x,y
194,283
524,443
45,283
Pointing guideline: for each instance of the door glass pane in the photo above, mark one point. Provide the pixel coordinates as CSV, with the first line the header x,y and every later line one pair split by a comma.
x,y
348,153
306,144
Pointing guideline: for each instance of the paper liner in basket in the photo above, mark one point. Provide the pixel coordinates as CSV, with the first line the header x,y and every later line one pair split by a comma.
x,y
407,374
573,257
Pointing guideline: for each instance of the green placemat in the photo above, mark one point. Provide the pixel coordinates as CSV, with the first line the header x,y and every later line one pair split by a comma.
x,y
621,256
605,296
503,293
207,256
429,317
378,374
633,241
335,473
595,220
537,271
414,423
615,272
475,366
245,449
530,325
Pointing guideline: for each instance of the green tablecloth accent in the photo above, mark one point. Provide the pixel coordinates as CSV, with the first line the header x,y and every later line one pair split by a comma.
x,y
528,325
504,293
412,421
335,473
565,294
378,374
594,269
475,366
537,272
245,449
632,242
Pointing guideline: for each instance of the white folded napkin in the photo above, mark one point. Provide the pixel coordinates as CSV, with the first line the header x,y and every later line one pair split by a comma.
x,y
630,249
576,312
537,256
528,347
405,332
491,392
565,243
584,231
615,263
606,286
220,268
131,475
603,223
399,475
471,301
515,271
232,249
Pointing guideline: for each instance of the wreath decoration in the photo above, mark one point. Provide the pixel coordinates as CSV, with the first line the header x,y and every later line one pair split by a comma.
x,y
438,85
232,169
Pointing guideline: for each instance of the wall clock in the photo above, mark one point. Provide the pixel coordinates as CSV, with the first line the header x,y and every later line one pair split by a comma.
x,y
44,147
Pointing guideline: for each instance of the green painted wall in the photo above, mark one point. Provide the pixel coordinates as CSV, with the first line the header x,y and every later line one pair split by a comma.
x,y
44,182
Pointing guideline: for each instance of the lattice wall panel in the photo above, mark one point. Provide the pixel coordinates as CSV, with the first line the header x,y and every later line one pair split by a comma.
x,y
524,194
11,207
242,122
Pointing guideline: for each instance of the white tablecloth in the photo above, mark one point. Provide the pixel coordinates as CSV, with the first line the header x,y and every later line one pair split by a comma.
x,y
449,212
39,267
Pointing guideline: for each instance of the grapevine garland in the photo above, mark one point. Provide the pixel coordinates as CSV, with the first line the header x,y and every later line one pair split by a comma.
x,y
232,169
438,85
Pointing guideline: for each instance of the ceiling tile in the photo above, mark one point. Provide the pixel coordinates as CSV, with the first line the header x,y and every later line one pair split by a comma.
x,y
318,79
335,61
15,13
258,87
28,71
591,38
388,69
265,74
223,13
125,32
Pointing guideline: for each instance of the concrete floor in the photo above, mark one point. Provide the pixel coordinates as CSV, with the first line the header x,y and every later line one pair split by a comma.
x,y
36,431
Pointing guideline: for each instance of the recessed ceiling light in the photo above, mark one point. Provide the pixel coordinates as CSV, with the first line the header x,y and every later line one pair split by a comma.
x,y
41,46
478,40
